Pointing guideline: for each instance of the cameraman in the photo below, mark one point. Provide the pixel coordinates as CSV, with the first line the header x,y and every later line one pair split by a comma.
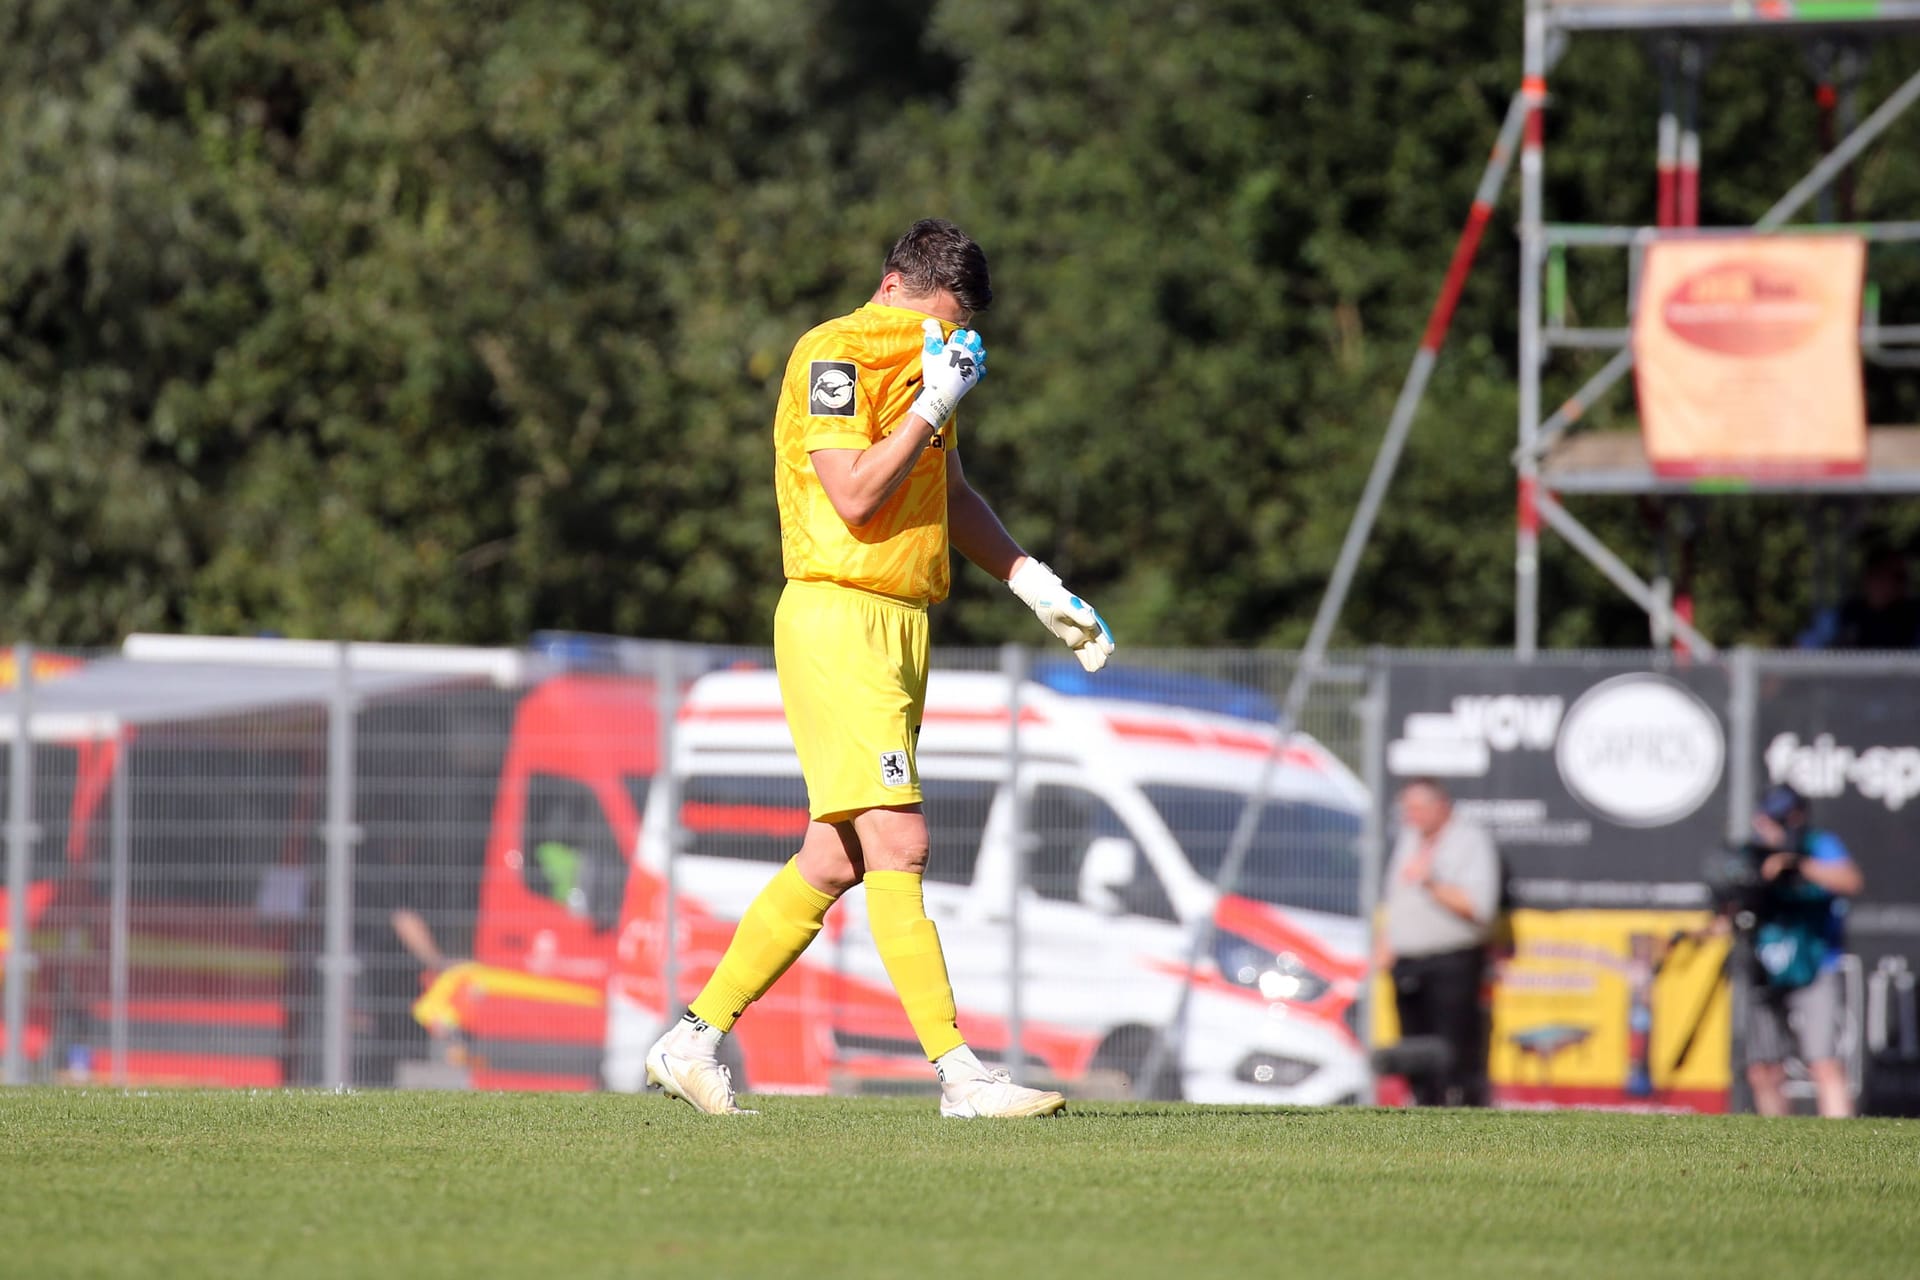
x,y
1798,917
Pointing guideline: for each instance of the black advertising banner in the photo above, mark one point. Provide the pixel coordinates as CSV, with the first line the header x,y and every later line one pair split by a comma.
x,y
1848,739
1850,743
1603,784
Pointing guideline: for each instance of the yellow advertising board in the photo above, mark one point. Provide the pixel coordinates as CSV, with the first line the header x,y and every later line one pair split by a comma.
x,y
1747,356
1613,1009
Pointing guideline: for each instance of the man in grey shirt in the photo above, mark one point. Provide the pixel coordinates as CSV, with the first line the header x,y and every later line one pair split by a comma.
x,y
1441,896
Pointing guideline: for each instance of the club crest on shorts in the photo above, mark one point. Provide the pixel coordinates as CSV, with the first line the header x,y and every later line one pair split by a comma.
x,y
832,389
893,768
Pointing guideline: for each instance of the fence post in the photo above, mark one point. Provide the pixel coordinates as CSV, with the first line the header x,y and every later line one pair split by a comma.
x,y
1743,718
119,909
1013,664
666,784
20,837
1172,1037
1743,705
338,965
1373,837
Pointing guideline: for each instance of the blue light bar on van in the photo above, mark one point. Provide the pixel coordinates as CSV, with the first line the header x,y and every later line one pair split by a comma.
x,y
584,651
1164,688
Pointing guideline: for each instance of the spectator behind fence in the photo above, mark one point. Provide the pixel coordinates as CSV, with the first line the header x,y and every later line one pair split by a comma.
x,y
1884,615
1440,901
413,916
1798,942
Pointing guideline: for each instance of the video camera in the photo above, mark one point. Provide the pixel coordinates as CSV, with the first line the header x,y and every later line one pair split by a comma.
x,y
1732,872
1733,875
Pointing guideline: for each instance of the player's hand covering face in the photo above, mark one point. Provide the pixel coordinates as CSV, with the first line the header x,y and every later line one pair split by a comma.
x,y
949,366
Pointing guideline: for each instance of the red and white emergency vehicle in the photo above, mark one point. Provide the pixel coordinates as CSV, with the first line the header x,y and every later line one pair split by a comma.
x,y
1130,805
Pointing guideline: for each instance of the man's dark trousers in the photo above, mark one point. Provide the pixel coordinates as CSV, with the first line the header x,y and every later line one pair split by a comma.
x,y
1440,996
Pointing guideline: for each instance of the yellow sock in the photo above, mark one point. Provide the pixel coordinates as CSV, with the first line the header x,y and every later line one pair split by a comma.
x,y
776,928
909,946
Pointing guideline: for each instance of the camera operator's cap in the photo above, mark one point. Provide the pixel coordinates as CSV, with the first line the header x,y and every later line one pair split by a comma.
x,y
1782,802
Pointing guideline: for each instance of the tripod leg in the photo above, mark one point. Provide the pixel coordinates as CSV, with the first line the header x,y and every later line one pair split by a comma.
x,y
1721,983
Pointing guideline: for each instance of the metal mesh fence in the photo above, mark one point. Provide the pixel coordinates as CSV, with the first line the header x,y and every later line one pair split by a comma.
x,y
274,863
261,863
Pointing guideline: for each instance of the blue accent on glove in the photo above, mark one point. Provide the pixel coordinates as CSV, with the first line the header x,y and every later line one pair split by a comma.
x,y
977,348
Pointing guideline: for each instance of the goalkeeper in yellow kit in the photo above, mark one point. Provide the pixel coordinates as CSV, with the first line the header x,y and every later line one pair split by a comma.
x,y
870,492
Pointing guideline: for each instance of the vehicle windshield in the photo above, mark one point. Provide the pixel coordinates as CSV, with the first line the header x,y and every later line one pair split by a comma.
x,y
637,785
1303,855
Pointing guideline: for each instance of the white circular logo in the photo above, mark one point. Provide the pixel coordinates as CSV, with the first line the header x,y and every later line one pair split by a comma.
x,y
1641,750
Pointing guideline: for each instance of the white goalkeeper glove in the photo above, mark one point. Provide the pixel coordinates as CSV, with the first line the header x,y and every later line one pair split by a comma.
x,y
1063,613
948,369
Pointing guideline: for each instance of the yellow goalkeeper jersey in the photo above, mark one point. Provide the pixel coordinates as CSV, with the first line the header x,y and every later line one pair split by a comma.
x,y
848,384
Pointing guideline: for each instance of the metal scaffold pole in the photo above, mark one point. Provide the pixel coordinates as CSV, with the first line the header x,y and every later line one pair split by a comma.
x,y
1686,198
1667,143
1526,561
1840,157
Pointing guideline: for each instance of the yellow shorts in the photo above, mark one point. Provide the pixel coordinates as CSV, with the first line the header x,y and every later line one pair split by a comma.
x,y
853,678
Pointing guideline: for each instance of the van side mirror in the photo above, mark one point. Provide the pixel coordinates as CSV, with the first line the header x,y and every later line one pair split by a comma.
x,y
1106,870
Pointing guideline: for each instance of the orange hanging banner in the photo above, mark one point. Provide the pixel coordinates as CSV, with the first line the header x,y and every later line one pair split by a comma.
x,y
1747,357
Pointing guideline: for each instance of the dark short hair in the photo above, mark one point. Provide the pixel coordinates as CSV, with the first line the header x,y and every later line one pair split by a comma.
x,y
1429,783
1781,802
934,254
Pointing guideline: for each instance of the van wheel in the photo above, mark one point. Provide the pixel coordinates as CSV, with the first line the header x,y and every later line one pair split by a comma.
x,y
1124,1055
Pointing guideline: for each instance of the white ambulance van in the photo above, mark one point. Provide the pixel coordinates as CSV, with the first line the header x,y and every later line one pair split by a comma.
x,y
1130,805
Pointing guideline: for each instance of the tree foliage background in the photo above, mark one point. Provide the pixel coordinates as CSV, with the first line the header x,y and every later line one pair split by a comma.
x,y
449,321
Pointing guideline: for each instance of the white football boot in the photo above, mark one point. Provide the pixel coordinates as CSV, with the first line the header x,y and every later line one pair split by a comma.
x,y
995,1095
682,1064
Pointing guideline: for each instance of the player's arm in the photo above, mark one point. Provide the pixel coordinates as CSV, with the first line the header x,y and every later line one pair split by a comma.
x,y
973,528
859,481
977,532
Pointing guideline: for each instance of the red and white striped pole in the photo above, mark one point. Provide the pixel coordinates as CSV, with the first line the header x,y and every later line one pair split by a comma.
x,y
1667,153
1387,460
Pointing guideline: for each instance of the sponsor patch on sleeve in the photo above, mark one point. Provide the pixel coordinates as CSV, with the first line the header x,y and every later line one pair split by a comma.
x,y
832,388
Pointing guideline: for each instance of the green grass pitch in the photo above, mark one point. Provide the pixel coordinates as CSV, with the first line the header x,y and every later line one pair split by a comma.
x,y
100,1183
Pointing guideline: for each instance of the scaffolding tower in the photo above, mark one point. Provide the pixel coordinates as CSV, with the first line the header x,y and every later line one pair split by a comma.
x,y
1553,457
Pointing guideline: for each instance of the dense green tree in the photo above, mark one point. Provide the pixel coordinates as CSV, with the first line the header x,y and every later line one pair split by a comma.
x,y
444,321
